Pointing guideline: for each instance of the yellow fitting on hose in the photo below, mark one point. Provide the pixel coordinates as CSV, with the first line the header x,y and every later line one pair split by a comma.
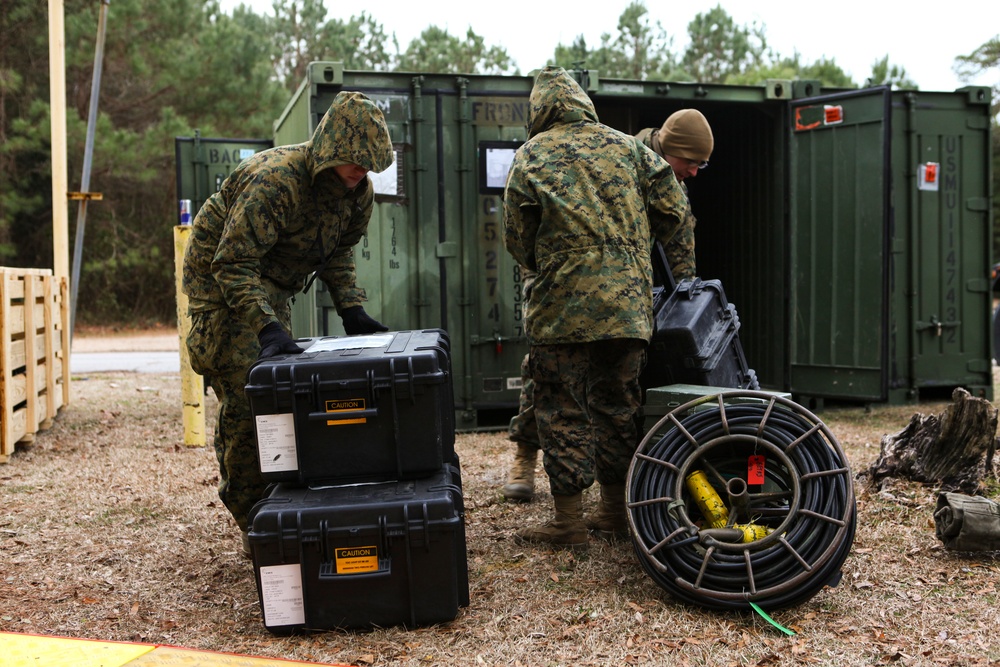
x,y
753,532
708,501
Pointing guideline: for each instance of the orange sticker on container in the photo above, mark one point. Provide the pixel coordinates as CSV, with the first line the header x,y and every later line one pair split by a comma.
x,y
833,114
755,469
806,118
930,172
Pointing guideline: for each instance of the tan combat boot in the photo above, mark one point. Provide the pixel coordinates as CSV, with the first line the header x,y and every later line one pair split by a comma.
x,y
565,531
609,522
520,486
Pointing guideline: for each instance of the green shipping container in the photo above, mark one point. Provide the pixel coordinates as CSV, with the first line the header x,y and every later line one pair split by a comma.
x,y
851,229
203,163
890,245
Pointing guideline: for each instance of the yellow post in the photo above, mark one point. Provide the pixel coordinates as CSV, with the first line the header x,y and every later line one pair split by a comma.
x,y
192,384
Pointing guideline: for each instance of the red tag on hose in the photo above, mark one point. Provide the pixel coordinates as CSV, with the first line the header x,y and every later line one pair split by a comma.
x,y
755,469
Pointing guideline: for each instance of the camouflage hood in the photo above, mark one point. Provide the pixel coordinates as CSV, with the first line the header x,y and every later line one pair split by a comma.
x,y
557,98
353,131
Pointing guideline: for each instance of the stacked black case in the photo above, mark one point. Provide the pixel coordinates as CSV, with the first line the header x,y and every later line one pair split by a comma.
x,y
355,408
364,525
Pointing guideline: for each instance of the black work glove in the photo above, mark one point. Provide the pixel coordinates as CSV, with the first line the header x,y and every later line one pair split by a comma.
x,y
357,321
274,341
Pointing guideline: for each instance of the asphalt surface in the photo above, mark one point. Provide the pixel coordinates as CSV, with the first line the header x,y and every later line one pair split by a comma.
x,y
137,362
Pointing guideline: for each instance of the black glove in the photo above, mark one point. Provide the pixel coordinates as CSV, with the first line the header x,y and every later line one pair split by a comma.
x,y
357,321
274,341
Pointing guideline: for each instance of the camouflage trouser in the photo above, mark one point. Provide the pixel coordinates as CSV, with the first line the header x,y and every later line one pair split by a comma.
x,y
523,429
222,348
586,397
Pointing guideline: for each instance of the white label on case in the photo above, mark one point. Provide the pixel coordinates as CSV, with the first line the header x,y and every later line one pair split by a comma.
x,y
281,593
276,443
350,343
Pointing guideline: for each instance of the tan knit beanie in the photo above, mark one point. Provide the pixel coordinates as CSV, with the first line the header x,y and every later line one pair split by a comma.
x,y
686,134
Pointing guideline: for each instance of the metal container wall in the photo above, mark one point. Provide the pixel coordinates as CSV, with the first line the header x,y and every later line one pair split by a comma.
x,y
741,235
433,255
203,163
890,239
947,228
840,268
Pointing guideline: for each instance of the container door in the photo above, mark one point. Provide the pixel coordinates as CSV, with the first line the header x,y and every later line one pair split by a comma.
x,y
947,158
839,223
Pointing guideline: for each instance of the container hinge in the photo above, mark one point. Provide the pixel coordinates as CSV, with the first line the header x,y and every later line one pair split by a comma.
x,y
980,365
978,285
936,325
981,204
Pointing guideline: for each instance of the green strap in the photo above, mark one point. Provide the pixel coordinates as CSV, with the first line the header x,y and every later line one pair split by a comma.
x,y
770,620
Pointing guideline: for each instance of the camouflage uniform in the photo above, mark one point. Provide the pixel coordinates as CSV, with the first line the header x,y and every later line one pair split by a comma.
x,y
581,204
680,249
280,216
681,258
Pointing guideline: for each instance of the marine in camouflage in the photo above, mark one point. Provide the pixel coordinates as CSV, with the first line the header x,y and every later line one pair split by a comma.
x,y
680,249
581,204
282,215
680,254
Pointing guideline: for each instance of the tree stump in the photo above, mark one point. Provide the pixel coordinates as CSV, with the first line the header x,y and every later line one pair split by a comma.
x,y
953,450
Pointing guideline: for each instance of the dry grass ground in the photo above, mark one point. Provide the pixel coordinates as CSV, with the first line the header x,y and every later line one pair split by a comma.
x,y
111,529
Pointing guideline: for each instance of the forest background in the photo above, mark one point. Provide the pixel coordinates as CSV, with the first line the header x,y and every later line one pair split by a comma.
x,y
175,66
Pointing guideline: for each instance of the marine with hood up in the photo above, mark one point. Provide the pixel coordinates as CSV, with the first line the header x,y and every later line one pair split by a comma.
x,y
283,214
585,231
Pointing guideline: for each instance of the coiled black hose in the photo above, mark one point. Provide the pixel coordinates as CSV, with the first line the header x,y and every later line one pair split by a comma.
x,y
805,505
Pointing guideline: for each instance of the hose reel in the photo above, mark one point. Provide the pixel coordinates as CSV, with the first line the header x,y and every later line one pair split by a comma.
x,y
746,497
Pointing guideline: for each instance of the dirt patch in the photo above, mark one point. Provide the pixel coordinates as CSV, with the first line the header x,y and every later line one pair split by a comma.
x,y
112,530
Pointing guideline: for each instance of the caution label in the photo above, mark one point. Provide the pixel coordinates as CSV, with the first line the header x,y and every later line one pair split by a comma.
x,y
342,405
352,560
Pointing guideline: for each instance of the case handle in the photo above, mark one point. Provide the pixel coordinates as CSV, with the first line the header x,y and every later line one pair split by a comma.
x,y
329,573
343,415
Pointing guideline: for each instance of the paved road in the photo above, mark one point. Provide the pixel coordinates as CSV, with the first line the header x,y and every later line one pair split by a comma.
x,y
139,362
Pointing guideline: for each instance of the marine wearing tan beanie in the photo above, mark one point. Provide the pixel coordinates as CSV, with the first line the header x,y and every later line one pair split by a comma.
x,y
686,134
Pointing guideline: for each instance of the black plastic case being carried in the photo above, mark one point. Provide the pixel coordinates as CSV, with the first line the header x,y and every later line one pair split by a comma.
x,y
361,555
355,408
695,339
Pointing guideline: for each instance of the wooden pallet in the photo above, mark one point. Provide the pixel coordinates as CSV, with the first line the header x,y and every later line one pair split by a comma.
x,y
34,353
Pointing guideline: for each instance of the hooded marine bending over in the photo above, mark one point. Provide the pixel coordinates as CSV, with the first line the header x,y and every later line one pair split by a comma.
x,y
282,215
